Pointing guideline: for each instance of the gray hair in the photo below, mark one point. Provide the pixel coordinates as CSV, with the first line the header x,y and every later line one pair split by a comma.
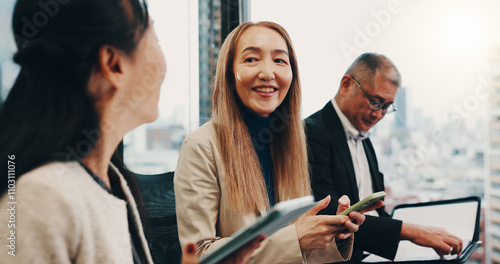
x,y
369,64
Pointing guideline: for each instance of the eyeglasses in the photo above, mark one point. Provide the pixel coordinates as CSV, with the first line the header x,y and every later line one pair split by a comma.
x,y
374,104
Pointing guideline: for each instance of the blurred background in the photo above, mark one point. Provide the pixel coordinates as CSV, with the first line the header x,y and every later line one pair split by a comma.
x,y
442,142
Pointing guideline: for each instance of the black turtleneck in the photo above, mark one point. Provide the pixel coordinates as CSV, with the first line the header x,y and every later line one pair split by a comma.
x,y
261,136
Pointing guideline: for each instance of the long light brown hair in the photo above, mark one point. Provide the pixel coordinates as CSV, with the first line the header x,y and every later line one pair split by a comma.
x,y
245,185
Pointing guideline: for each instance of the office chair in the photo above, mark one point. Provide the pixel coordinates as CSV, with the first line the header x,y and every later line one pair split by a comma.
x,y
161,223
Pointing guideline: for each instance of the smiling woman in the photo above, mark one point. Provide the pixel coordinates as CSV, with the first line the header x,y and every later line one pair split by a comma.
x,y
262,70
252,154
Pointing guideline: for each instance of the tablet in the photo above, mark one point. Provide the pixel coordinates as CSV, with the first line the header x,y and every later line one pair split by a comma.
x,y
278,217
367,201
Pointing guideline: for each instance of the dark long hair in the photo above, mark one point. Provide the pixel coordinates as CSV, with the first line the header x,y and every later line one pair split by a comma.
x,y
48,114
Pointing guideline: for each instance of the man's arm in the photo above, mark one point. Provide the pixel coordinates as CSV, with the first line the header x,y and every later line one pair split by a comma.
x,y
438,238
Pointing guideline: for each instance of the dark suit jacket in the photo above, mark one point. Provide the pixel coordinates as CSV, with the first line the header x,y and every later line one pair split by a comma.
x,y
332,173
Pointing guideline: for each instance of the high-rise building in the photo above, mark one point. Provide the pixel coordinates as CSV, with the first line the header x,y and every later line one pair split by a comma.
x,y
400,104
399,128
209,15
492,184
2,93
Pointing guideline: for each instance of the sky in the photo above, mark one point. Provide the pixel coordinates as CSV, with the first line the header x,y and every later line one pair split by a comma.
x,y
441,47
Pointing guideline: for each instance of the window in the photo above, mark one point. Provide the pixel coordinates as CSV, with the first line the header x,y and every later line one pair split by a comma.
x,y
153,148
495,213
191,33
8,69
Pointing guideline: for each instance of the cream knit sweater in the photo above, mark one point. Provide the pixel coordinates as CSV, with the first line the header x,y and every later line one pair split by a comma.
x,y
63,216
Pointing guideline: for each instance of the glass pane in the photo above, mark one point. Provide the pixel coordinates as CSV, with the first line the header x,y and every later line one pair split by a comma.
x,y
153,148
8,69
210,42
190,33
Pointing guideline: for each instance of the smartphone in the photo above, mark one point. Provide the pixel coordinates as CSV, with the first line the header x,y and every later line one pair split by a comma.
x,y
367,201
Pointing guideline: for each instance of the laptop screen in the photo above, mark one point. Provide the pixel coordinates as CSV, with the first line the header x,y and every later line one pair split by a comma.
x,y
458,218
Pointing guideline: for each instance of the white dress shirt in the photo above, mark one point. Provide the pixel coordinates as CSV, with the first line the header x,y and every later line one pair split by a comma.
x,y
358,155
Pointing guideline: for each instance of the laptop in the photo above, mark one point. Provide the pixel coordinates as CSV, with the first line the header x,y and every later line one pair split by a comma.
x,y
460,217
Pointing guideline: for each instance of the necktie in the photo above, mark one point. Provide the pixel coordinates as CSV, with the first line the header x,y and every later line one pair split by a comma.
x,y
360,136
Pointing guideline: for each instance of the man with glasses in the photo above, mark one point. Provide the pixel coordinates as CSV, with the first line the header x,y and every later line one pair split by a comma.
x,y
343,160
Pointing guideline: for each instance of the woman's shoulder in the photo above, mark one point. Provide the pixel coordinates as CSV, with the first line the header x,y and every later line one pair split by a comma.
x,y
205,130
55,174
202,135
51,190
201,143
63,181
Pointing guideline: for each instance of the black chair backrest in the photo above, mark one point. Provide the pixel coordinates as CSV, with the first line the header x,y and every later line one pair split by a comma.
x,y
161,223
